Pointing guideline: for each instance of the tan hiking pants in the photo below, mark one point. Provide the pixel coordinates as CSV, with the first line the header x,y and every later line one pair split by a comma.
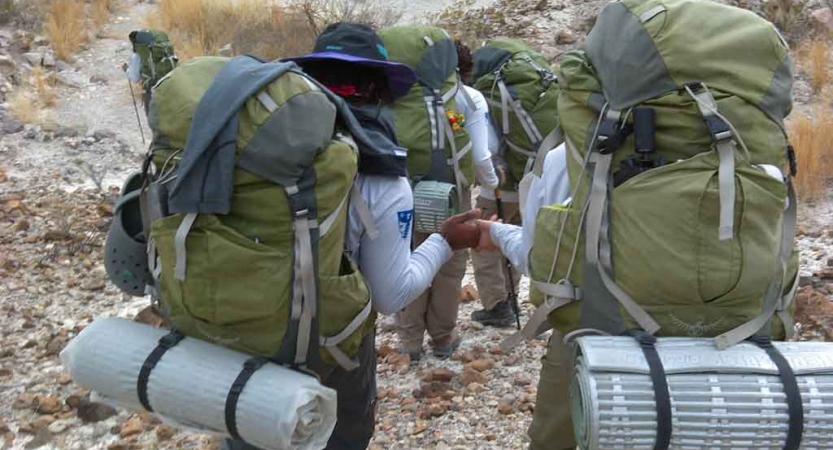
x,y
551,422
435,310
490,271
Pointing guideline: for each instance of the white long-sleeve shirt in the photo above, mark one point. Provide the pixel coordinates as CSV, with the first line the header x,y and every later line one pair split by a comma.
x,y
552,188
394,274
478,127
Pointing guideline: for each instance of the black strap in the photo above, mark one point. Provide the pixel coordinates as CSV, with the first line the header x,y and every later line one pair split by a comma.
x,y
795,406
166,343
249,368
662,396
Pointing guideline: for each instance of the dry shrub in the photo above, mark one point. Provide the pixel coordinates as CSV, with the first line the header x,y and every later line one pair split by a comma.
x,y
818,64
66,27
812,138
320,13
100,11
26,14
44,86
23,106
464,20
203,27
785,14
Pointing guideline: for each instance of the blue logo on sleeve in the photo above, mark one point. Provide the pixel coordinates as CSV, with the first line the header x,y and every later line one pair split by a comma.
x,y
405,218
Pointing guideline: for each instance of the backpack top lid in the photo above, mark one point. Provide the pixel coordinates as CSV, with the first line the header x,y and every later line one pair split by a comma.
x,y
429,50
147,37
644,49
494,53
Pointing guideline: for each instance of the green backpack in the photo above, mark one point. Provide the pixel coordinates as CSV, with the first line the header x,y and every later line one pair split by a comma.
x,y
156,53
266,275
436,151
522,93
673,225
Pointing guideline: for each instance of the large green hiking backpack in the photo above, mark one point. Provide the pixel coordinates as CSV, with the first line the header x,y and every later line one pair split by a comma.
x,y
260,266
678,231
436,151
522,92
157,54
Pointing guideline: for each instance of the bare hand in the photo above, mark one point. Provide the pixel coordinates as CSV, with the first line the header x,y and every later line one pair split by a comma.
x,y
485,244
461,231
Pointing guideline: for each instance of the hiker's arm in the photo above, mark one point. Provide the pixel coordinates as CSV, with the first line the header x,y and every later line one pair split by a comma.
x,y
394,274
477,126
552,188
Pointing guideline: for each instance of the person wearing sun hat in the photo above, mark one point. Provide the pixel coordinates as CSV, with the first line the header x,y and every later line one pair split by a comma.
x,y
350,60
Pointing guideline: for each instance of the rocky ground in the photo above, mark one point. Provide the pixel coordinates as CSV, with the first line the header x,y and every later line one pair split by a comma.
x,y
57,184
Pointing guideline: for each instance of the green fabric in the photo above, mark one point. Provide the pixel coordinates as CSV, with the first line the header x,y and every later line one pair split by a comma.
x,y
736,51
510,60
406,44
238,283
664,222
156,53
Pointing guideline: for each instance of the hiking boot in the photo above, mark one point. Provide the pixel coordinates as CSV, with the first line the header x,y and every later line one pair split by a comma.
x,y
500,316
416,356
445,352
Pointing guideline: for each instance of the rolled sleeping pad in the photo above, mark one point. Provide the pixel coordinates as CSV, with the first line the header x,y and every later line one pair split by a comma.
x,y
730,399
434,202
277,408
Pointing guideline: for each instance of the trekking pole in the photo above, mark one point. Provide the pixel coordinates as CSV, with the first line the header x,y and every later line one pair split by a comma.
x,y
136,108
511,296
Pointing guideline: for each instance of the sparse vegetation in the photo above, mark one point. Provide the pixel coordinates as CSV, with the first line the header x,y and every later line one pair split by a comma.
x,y
465,21
320,13
818,64
22,105
100,11
785,14
812,137
44,84
26,14
66,27
30,101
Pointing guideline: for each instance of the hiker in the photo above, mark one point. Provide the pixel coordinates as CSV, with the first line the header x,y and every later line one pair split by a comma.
x,y
447,140
349,60
668,210
153,57
490,269
521,90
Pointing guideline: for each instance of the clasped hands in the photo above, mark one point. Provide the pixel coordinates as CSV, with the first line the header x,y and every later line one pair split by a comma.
x,y
468,230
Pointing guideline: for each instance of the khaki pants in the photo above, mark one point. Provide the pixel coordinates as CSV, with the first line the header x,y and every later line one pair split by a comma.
x,y
490,271
435,310
551,422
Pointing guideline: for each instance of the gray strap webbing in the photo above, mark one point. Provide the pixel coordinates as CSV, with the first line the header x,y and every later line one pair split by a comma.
x,y
428,41
307,276
773,299
527,124
552,140
595,215
726,182
179,245
651,13
363,211
328,223
725,145
331,342
504,107
466,96
434,121
557,295
267,101
451,93
154,262
783,309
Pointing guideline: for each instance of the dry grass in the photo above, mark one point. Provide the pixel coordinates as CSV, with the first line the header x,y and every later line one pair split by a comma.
x,y
203,27
320,13
785,14
44,86
66,27
817,64
23,106
100,11
812,137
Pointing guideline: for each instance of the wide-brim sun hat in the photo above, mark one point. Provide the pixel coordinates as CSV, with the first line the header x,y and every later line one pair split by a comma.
x,y
359,44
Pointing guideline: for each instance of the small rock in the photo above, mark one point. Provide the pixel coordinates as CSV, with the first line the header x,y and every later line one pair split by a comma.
x,y
823,18
55,345
93,286
476,325
471,376
101,135
826,274
42,437
70,79
565,37
47,404
805,281
3,427
132,427
830,262
30,134
443,375
438,409
119,446
73,400
7,65
48,60
98,79
481,365
490,437
12,125
33,58
90,412
59,426
62,131
164,433
5,372
468,294
504,408
20,225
